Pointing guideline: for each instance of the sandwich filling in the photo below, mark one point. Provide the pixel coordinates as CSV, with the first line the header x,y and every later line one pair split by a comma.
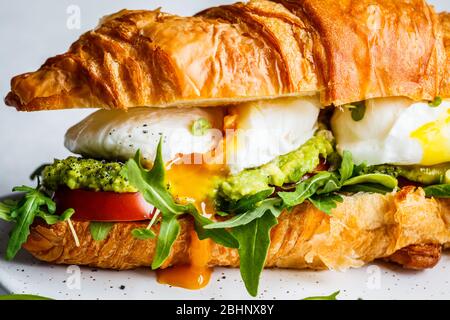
x,y
235,169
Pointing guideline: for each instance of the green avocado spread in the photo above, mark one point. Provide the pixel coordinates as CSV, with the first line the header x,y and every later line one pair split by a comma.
x,y
287,168
80,173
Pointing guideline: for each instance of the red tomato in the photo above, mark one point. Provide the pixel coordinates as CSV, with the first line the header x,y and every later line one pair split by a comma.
x,y
103,206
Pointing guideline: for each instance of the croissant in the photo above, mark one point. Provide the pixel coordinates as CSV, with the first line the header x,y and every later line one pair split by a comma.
x,y
345,50
404,227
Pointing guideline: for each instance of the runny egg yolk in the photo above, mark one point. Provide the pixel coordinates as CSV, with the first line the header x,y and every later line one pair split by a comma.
x,y
192,183
194,275
434,138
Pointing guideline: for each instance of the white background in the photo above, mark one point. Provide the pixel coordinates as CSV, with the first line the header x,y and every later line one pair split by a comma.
x,y
30,32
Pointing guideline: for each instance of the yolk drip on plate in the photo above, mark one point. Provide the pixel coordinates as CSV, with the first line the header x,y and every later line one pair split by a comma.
x,y
434,138
195,275
192,183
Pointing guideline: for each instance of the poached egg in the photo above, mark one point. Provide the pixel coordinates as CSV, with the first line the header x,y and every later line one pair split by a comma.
x,y
117,134
395,131
260,131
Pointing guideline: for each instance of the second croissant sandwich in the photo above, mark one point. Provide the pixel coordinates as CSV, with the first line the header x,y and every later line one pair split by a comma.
x,y
289,134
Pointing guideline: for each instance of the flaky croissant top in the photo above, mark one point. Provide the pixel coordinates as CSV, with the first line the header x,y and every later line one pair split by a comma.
x,y
345,50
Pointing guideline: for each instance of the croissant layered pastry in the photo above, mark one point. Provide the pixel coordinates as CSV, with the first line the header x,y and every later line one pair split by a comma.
x,y
266,134
389,227
260,49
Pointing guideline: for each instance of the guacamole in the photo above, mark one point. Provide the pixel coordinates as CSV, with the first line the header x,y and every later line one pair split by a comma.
x,y
80,173
288,168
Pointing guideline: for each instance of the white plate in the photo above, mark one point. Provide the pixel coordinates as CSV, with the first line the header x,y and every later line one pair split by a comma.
x,y
376,281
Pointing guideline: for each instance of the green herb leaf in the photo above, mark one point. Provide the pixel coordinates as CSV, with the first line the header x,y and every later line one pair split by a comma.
x,y
438,191
222,213
5,209
248,202
143,234
66,215
52,218
254,242
333,184
346,169
23,214
305,189
326,203
219,236
23,297
330,297
200,127
100,230
379,178
436,102
48,218
168,233
270,204
151,185
358,109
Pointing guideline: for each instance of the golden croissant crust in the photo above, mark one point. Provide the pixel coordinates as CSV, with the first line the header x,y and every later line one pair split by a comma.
x,y
363,228
346,50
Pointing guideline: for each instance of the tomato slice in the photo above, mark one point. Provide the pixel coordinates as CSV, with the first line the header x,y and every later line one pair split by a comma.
x,y
103,206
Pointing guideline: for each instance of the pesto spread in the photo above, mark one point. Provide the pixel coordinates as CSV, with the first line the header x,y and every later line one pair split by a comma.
x,y
286,168
80,173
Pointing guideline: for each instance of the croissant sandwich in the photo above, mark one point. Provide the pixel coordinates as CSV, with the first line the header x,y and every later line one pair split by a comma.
x,y
289,134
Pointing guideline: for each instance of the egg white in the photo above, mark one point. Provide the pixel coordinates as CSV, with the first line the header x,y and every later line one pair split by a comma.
x,y
267,129
263,131
384,135
114,134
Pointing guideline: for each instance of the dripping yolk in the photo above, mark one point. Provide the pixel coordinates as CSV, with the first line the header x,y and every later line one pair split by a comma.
x,y
192,183
194,275
434,138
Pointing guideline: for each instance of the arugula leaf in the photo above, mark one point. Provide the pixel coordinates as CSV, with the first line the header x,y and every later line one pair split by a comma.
x,y
333,184
100,230
66,215
247,217
143,233
254,242
23,214
248,202
346,169
219,236
326,203
438,191
320,189
168,233
151,185
379,178
52,218
22,297
330,297
6,208
305,189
